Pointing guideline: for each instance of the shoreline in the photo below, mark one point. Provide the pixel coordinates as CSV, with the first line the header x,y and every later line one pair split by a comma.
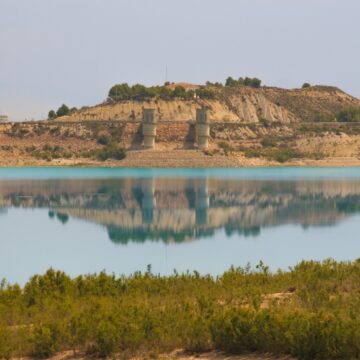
x,y
175,355
181,159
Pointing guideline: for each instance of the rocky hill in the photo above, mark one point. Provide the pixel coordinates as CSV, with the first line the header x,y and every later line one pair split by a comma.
x,y
233,104
251,126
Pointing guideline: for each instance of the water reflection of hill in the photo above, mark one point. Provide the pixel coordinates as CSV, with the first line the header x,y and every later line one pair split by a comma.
x,y
178,210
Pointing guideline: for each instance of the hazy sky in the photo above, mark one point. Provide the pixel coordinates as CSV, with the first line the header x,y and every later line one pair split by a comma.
x,y
73,51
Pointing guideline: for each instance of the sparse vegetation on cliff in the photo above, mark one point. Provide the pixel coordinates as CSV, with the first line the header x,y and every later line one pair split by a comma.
x,y
310,312
109,151
226,147
349,115
280,154
48,152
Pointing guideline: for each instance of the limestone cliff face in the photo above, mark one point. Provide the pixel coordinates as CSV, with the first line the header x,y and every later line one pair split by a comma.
x,y
242,104
174,110
251,106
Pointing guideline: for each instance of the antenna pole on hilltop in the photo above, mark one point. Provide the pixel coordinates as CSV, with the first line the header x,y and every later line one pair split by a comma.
x,y
166,74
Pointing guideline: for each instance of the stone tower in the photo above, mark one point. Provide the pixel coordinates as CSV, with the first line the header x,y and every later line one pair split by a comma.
x,y
149,128
202,128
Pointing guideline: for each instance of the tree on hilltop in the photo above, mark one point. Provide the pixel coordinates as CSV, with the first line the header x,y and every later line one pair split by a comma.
x,y
231,82
63,110
51,115
252,82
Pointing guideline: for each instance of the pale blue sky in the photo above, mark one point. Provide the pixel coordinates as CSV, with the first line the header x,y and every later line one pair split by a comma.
x,y
73,51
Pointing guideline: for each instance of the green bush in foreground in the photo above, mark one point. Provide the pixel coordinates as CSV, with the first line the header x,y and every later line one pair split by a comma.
x,y
311,312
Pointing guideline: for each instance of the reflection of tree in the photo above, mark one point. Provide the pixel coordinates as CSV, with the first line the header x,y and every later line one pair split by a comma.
x,y
348,205
63,218
123,236
231,229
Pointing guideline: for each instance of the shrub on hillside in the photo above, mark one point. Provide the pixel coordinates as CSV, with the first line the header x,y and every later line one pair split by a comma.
x,y
103,139
280,154
226,147
349,115
109,151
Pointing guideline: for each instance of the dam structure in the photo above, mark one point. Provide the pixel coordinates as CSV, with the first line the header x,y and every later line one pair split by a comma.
x,y
202,128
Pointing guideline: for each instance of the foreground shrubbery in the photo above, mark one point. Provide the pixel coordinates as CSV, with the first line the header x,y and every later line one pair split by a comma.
x,y
310,312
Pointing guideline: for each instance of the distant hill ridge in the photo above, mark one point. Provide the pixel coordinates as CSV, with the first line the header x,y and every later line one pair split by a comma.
x,y
242,104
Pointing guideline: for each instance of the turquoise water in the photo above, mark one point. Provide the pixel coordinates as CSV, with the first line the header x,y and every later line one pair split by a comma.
x,y
277,173
120,220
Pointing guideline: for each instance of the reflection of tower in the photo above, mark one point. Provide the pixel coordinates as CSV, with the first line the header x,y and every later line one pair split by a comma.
x,y
148,202
202,202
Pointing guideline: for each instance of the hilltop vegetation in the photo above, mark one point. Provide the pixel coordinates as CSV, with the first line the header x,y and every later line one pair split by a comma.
x,y
252,82
311,312
140,92
63,110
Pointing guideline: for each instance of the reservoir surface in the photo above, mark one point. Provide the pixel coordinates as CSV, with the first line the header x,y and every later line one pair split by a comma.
x,y
122,220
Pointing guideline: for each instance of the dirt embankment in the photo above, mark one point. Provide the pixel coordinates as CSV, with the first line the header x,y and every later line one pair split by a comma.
x,y
231,144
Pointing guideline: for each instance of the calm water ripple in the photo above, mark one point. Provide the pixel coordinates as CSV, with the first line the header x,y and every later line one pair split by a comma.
x,y
121,220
